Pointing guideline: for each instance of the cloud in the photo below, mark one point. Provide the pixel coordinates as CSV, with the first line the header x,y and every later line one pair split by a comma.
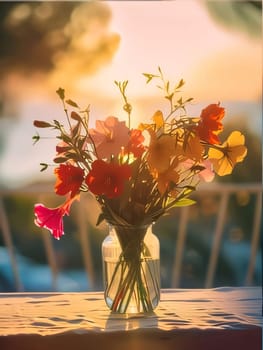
x,y
91,44
46,44
44,36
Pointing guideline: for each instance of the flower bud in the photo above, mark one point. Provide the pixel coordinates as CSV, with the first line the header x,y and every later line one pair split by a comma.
x,y
41,124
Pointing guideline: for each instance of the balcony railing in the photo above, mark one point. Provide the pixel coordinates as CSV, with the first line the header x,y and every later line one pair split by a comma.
x,y
223,191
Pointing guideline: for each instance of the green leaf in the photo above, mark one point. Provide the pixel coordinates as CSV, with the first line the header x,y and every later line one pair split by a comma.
x,y
72,103
167,85
44,166
57,123
76,129
65,138
60,160
180,84
61,93
169,97
72,155
180,101
184,202
35,138
80,142
148,76
188,190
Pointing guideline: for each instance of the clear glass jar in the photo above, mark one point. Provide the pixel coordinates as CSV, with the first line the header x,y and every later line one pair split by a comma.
x,y
131,269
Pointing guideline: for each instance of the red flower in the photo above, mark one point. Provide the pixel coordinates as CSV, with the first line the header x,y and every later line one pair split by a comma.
x,y
69,179
210,123
107,178
52,218
135,145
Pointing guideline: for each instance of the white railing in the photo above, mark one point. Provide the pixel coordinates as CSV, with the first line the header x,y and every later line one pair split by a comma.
x,y
223,190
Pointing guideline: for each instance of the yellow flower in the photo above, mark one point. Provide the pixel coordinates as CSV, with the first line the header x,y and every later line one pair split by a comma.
x,y
144,126
158,122
231,152
158,119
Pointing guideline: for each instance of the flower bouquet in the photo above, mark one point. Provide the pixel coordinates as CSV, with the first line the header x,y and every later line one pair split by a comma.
x,y
136,176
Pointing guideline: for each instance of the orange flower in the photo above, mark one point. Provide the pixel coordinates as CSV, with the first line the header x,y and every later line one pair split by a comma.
x,y
145,170
226,156
166,179
69,179
160,151
192,148
210,123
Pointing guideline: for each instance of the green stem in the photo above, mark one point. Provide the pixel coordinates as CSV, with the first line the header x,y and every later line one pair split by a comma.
x,y
133,283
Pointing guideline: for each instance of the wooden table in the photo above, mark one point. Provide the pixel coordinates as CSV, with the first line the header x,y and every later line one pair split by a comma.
x,y
222,318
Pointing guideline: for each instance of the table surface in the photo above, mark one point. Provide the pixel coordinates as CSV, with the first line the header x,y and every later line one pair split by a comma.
x,y
218,317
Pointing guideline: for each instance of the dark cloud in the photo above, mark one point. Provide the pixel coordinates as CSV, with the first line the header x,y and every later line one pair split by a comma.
x,y
51,41
35,36
90,44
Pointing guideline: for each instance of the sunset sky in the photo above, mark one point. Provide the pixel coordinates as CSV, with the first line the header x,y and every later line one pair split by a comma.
x,y
217,63
182,38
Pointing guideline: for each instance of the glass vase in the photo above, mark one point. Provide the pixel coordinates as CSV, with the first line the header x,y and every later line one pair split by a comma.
x,y
131,269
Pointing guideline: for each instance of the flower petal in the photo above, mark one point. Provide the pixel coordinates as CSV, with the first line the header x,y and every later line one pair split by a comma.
x,y
158,119
109,137
231,152
52,218
107,178
69,179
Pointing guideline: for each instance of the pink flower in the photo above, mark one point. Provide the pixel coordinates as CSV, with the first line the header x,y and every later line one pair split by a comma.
x,y
207,174
189,166
52,218
109,137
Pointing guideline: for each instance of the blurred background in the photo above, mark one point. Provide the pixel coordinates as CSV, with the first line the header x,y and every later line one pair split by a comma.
x,y
215,46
